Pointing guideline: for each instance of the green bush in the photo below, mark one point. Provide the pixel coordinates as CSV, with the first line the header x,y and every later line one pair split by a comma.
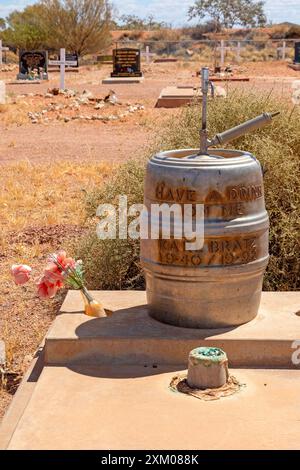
x,y
114,264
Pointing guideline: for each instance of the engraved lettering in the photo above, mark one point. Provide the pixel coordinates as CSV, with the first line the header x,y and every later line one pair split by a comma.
x,y
160,190
233,194
214,247
225,251
183,195
233,210
191,195
245,193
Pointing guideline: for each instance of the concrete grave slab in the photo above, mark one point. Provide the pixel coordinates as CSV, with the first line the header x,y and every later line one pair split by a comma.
x,y
25,82
177,96
295,67
131,337
120,80
163,60
82,407
229,79
92,373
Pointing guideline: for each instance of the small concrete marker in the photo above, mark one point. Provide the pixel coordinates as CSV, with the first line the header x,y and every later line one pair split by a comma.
x,y
2,92
2,353
238,52
1,52
207,368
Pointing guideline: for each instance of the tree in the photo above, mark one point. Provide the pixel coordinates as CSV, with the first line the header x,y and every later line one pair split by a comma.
x,y
133,22
2,24
228,13
25,30
81,26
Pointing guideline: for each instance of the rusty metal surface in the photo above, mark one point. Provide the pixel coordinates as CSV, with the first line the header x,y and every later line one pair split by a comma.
x,y
219,285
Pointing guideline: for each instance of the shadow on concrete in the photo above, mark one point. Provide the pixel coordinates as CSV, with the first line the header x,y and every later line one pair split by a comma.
x,y
136,322
123,371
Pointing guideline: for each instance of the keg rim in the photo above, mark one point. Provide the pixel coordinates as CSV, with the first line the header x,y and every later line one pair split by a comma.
x,y
215,157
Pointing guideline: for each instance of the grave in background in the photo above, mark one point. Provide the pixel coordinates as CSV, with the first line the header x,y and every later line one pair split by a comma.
x,y
33,65
297,53
2,49
126,66
2,353
104,59
163,60
2,92
296,64
71,59
176,96
182,95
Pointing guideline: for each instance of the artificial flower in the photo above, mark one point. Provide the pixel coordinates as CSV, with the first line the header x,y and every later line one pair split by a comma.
x,y
21,273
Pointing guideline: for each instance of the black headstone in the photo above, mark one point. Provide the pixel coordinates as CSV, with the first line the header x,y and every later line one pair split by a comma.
x,y
126,63
297,52
33,61
72,56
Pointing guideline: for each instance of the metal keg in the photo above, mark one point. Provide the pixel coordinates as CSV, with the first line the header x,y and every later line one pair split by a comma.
x,y
219,285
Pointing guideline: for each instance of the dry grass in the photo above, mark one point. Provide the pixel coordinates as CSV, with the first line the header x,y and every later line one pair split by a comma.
x,y
41,210
15,113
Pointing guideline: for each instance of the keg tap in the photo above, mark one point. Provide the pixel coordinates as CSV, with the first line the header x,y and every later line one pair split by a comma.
x,y
205,84
233,133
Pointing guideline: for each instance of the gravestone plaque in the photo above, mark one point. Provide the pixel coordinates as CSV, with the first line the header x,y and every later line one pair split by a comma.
x,y
72,57
71,60
297,52
33,62
126,63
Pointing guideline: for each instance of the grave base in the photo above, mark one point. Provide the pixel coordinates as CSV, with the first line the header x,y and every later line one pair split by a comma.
x,y
94,373
25,82
132,407
117,80
164,60
175,97
295,67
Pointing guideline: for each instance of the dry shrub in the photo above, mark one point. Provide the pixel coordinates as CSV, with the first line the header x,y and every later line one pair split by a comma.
x,y
114,264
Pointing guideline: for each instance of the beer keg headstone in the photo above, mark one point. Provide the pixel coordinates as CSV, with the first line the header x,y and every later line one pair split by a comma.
x,y
219,284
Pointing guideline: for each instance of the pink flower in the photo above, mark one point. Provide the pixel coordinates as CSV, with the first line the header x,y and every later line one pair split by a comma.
x,y
63,261
46,290
53,275
21,273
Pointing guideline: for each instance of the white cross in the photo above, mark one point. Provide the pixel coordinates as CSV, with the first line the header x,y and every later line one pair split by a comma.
x,y
1,50
238,52
62,66
148,55
282,50
222,48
